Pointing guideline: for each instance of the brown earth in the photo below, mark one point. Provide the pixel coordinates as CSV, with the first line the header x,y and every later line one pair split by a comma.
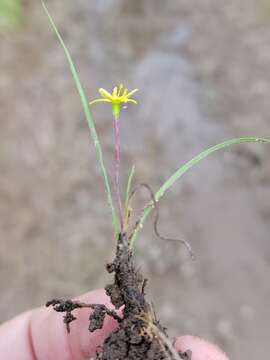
x,y
139,334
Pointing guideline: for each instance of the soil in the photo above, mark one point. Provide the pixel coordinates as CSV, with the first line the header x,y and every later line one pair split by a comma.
x,y
139,334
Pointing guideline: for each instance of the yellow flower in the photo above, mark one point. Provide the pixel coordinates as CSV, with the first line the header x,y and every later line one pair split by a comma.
x,y
118,97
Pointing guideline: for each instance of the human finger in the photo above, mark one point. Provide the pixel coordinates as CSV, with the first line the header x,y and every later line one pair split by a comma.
x,y
201,349
41,334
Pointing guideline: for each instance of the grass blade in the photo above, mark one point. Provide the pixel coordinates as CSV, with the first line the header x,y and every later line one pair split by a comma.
x,y
188,165
127,194
129,183
89,120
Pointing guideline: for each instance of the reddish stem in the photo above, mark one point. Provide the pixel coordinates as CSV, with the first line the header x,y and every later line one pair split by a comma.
x,y
116,171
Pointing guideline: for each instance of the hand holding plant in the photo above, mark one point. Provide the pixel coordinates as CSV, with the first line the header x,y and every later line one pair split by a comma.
x,y
40,335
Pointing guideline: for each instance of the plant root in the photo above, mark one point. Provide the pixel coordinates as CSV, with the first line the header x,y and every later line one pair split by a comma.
x,y
139,335
154,204
96,318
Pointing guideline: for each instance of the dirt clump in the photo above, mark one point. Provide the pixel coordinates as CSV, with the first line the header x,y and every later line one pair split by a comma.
x,y
139,334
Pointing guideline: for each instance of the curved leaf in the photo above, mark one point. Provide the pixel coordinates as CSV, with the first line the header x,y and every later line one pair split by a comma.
x,y
188,165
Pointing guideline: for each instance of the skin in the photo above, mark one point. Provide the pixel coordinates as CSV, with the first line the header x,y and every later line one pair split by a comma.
x,y
41,335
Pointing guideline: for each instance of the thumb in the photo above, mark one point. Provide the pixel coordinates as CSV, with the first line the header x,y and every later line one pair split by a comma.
x,y
41,334
201,349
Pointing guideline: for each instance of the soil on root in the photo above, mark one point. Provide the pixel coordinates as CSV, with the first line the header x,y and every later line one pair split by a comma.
x,y
139,335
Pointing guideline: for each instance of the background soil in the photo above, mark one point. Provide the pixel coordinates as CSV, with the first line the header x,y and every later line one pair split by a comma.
x,y
202,68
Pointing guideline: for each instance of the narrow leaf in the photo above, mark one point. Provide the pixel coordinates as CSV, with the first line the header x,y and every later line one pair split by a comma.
x,y
129,183
89,120
188,165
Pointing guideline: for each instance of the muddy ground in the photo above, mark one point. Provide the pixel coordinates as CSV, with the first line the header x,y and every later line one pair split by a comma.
x,y
204,75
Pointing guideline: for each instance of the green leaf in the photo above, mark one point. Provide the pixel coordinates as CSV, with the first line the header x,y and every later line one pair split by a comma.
x,y
129,183
89,120
184,168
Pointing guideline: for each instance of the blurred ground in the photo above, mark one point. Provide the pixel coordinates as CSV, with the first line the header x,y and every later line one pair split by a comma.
x,y
202,68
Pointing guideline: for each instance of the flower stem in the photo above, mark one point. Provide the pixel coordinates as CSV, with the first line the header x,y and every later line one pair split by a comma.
x,y
116,171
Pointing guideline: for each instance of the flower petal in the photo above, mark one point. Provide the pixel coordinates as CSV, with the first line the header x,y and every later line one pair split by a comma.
x,y
131,93
105,94
132,101
114,94
120,89
99,100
